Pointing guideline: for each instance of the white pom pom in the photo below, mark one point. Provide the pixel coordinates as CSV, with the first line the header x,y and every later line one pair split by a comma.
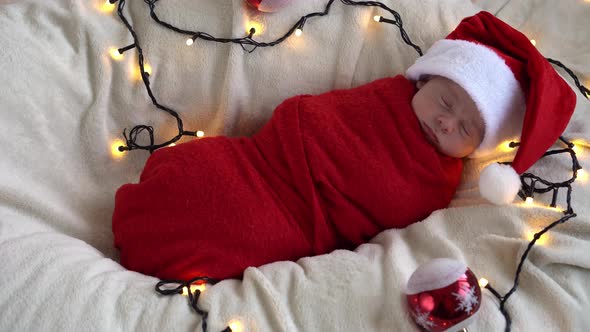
x,y
499,183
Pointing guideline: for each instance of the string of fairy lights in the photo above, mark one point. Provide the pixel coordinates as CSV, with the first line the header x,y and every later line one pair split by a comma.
x,y
538,185
296,29
193,288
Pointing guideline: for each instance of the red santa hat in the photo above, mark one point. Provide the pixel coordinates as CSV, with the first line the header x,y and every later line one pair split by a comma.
x,y
514,87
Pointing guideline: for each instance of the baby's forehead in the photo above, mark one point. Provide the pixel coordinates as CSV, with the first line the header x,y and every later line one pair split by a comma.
x,y
445,85
454,89
458,94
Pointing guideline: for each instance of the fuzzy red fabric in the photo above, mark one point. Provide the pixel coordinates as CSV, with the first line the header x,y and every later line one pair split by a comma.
x,y
326,172
550,102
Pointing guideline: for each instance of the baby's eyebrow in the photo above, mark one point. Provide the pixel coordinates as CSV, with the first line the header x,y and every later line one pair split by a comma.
x,y
453,94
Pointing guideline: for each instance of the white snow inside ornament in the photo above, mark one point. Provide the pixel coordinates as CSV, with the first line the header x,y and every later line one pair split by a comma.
x,y
443,295
269,6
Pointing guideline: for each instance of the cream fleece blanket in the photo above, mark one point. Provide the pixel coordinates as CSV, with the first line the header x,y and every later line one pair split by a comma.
x,y
64,101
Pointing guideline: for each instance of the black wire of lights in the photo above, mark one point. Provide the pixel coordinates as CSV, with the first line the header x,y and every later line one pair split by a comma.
x,y
535,183
173,287
538,185
131,139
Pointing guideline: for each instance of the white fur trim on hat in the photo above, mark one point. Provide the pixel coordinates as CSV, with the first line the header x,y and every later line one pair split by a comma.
x,y
499,183
486,77
435,274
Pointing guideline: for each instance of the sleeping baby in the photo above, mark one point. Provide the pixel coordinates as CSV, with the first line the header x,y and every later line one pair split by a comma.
x,y
331,171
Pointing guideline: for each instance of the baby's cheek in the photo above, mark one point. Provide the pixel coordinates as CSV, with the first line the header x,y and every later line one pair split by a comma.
x,y
465,149
453,148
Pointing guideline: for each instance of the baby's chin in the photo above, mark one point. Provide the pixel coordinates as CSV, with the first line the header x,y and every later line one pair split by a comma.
x,y
453,154
442,149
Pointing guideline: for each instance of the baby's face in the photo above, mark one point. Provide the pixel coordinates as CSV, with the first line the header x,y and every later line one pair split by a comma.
x,y
448,116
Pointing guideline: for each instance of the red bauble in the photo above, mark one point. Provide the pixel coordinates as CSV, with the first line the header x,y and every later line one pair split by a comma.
x,y
443,295
269,5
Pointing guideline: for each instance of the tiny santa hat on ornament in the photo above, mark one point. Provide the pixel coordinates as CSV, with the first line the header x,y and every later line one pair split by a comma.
x,y
514,87
443,295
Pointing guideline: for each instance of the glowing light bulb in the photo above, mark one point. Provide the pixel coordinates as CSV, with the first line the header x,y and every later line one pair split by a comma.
x,y
505,146
200,133
578,149
189,42
534,42
115,153
483,282
107,7
236,326
580,146
257,26
298,32
529,200
136,72
147,68
114,52
201,287
582,175
377,18
540,241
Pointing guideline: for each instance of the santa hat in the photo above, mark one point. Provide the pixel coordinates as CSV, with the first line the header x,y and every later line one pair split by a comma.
x,y
514,87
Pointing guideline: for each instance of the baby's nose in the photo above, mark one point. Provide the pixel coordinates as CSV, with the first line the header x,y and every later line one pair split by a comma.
x,y
447,125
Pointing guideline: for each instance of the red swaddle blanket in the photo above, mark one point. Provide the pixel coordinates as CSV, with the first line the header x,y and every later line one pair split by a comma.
x,y
326,172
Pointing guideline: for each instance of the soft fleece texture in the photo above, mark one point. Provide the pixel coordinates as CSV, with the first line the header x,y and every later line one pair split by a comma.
x,y
63,101
326,172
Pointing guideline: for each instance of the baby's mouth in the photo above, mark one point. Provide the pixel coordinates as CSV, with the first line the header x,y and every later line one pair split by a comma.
x,y
430,134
